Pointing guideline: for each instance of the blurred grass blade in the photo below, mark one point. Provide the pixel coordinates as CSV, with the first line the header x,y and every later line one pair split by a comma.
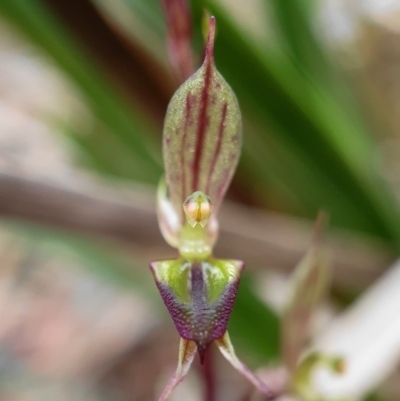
x,y
294,23
179,24
31,17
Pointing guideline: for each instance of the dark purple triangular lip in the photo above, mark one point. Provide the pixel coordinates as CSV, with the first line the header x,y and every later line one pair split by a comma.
x,y
200,320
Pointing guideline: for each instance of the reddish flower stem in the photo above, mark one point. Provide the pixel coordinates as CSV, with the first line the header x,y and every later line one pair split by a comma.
x,y
208,373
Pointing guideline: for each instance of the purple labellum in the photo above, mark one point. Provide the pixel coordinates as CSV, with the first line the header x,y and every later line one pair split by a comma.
x,y
200,312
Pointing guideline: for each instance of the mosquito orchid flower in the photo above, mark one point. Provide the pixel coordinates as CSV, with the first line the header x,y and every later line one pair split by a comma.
x,y
201,149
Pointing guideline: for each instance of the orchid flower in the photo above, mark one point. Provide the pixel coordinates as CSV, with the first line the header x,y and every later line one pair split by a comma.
x,y
201,149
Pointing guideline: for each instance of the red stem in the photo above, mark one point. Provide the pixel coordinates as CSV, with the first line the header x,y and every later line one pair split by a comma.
x,y
208,372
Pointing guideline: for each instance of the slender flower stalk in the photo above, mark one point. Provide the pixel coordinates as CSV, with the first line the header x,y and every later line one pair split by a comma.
x,y
201,149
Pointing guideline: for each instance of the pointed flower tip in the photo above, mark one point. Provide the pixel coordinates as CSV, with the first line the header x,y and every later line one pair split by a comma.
x,y
210,39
